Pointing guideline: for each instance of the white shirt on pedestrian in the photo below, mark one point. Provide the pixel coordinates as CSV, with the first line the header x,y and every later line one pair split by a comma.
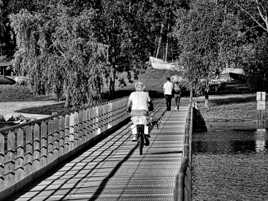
x,y
168,88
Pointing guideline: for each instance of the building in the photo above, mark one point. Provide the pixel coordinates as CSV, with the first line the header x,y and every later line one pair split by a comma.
x,y
6,68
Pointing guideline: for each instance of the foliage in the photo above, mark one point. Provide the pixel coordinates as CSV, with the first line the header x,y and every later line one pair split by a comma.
x,y
197,33
214,35
58,51
57,41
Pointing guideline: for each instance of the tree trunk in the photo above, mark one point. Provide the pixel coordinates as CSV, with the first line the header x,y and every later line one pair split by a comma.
x,y
166,52
206,99
191,95
67,94
160,40
207,94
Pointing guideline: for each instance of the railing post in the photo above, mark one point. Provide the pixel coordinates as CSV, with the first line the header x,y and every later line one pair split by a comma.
x,y
106,116
56,138
2,159
76,129
19,163
93,121
80,127
44,143
100,119
10,159
97,118
110,118
71,131
88,126
114,112
61,135
66,133
50,140
29,150
37,150
84,125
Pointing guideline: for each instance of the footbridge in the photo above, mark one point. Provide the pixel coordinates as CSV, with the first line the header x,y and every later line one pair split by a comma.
x,y
88,155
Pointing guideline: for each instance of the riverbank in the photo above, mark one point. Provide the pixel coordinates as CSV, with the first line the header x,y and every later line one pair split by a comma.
x,y
9,109
230,161
237,111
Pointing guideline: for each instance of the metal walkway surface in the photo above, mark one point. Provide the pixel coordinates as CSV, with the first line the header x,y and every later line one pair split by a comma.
x,y
113,169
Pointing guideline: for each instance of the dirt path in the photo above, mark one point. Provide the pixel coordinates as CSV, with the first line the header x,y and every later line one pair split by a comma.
x,y
8,109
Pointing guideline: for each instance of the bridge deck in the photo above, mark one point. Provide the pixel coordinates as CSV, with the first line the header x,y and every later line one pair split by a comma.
x,y
114,170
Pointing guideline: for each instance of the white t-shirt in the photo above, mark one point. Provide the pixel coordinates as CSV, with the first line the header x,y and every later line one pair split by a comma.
x,y
139,100
168,88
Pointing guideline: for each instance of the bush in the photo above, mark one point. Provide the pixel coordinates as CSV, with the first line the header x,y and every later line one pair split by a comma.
x,y
257,83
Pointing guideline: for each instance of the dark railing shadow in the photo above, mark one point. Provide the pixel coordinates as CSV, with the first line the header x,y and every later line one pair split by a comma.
x,y
54,169
102,185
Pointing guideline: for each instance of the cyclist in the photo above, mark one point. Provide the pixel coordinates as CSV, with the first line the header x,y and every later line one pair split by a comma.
x,y
139,102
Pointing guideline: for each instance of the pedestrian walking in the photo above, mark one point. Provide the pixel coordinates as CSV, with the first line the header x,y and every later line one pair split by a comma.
x,y
177,94
168,89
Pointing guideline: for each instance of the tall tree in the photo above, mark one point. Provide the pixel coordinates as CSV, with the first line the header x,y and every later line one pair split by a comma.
x,y
197,32
58,51
256,10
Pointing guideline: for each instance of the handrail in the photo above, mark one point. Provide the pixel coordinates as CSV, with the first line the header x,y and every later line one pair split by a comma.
x,y
83,107
27,149
182,191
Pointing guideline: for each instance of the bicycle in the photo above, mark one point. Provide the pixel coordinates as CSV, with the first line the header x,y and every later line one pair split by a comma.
x,y
142,138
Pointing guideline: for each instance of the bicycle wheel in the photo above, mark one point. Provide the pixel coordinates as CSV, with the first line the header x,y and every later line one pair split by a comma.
x,y
140,129
141,138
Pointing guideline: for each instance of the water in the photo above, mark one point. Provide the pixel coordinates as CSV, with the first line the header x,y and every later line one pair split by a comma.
x,y
230,165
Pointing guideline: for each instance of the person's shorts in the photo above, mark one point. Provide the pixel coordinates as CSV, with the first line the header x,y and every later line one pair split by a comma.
x,y
139,120
139,113
139,117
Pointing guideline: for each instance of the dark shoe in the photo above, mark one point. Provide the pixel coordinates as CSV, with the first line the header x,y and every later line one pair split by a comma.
x,y
134,139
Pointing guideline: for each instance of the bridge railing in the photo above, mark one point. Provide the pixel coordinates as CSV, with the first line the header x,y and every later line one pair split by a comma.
x,y
183,187
27,149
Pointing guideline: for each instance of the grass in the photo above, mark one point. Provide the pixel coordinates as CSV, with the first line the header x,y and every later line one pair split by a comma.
x,y
19,93
46,109
231,113
154,79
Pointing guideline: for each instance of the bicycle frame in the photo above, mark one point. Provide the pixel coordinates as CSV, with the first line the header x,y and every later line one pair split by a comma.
x,y
141,137
140,126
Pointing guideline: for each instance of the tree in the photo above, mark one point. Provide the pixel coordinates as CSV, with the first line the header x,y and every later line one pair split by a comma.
x,y
58,51
197,32
255,63
257,10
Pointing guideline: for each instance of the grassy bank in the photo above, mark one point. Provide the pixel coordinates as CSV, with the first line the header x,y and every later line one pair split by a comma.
x,y
19,93
231,112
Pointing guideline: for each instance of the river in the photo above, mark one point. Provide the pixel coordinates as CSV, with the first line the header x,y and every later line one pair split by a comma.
x,y
230,165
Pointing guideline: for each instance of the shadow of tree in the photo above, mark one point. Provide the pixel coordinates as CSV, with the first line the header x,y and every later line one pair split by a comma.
x,y
233,100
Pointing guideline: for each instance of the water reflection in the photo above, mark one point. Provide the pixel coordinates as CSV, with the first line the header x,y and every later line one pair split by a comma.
x,y
230,141
230,165
261,137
